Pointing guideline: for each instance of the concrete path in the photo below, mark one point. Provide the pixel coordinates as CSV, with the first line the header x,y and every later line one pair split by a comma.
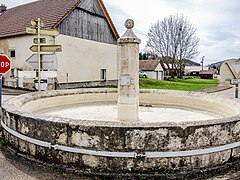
x,y
230,93
15,168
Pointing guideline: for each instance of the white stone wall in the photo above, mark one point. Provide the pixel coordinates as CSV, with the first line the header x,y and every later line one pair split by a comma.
x,y
153,74
21,44
84,59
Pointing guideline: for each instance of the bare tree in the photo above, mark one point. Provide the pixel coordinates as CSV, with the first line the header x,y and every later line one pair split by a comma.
x,y
174,40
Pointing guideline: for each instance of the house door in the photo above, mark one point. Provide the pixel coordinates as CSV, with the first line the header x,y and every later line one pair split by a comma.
x,y
160,75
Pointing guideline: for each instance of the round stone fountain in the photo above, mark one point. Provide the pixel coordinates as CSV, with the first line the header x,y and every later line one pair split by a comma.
x,y
124,132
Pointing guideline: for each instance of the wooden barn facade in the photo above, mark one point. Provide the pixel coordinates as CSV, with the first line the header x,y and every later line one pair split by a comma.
x,y
88,21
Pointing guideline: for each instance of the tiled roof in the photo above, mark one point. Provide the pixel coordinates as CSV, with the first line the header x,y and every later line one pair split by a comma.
x,y
15,20
148,65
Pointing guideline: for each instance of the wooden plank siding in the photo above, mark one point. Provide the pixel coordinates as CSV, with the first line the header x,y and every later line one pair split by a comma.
x,y
91,6
87,21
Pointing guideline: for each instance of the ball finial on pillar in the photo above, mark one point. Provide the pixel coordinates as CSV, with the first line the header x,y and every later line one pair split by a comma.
x,y
129,23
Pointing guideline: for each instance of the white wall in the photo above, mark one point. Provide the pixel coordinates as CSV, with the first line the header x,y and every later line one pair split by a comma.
x,y
156,74
21,44
81,59
151,74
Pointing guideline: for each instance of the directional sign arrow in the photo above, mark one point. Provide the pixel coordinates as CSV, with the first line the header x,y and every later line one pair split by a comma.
x,y
34,23
46,48
235,81
50,32
42,41
31,30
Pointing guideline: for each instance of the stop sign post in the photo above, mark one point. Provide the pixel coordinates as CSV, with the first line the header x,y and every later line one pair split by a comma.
x,y
5,66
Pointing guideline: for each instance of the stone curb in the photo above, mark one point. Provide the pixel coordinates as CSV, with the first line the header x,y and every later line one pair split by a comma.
x,y
215,89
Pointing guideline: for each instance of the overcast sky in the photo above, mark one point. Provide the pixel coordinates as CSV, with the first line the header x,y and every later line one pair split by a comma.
x,y
217,21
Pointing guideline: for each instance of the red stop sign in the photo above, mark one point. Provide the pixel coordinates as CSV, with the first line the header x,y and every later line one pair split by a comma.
x,y
5,64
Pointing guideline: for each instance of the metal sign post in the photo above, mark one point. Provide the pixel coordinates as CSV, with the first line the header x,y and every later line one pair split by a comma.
x,y
235,82
1,92
37,29
236,91
38,53
5,66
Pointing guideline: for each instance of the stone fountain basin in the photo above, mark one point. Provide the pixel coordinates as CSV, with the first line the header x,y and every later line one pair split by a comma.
x,y
100,146
214,106
160,107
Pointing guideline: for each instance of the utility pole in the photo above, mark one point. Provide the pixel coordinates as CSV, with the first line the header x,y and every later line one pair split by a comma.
x,y
202,62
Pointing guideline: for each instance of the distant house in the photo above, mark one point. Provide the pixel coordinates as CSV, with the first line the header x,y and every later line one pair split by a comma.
x,y
87,35
152,68
194,70
207,74
230,69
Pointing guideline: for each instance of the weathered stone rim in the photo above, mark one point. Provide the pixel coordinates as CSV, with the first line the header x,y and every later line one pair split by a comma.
x,y
14,105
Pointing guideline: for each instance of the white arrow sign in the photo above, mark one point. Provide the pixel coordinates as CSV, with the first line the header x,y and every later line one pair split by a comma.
x,y
49,61
235,81
32,74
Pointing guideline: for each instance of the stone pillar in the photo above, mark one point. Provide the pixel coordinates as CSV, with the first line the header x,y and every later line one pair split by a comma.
x,y
128,78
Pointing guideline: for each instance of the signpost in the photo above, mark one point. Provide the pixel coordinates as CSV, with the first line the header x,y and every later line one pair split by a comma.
x,y
236,82
37,29
5,66
46,48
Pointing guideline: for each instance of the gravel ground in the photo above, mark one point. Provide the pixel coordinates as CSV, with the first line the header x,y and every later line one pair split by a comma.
x,y
13,167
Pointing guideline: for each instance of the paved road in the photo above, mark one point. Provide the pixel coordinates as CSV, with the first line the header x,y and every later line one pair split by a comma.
x,y
13,168
230,93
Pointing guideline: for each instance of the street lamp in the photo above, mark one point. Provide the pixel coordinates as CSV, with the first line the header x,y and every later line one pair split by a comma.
x,y
202,62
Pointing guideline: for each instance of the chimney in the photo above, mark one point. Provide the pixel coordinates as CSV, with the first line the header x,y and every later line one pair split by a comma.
x,y
3,8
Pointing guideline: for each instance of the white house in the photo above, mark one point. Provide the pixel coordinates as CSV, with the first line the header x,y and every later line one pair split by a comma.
x,y
87,36
152,68
194,70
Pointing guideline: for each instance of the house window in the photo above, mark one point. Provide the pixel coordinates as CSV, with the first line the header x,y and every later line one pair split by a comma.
x,y
12,53
103,74
12,73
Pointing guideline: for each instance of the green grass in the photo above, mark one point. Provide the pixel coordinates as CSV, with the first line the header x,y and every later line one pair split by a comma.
x,y
178,84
